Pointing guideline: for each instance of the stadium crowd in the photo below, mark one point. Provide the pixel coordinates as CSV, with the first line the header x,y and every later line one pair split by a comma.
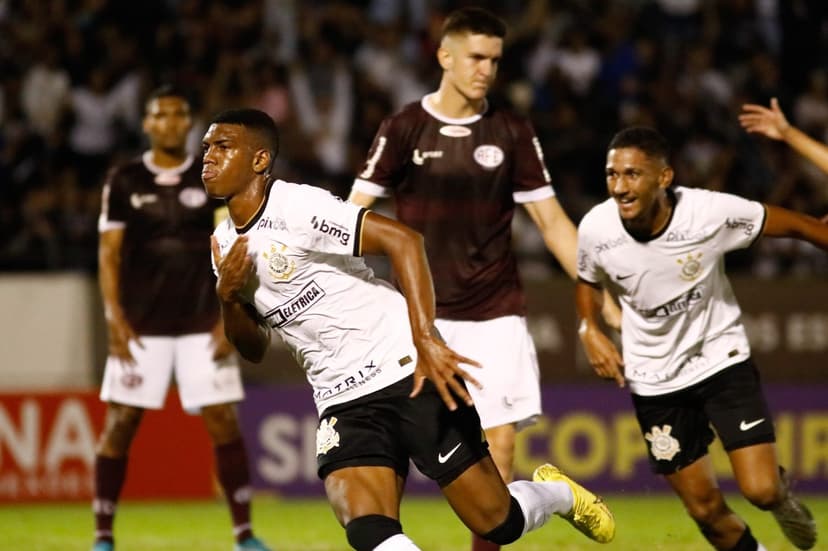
x,y
73,75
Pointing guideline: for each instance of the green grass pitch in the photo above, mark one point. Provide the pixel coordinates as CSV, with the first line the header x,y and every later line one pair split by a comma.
x,y
644,523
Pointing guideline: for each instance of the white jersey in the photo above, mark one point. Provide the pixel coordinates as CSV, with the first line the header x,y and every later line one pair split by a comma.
x,y
681,323
347,329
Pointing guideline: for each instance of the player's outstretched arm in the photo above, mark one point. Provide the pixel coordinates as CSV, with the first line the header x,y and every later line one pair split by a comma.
x,y
436,362
780,222
243,327
602,354
772,123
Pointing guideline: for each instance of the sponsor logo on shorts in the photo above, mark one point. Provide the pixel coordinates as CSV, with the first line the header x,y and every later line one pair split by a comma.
x,y
745,426
663,446
443,458
290,310
326,436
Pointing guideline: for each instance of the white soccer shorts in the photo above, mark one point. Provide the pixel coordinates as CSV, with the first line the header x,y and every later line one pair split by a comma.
x,y
510,374
201,380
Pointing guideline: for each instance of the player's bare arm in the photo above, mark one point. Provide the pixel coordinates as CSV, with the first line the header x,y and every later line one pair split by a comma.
x,y
772,123
780,222
362,199
601,352
561,239
436,362
109,265
242,326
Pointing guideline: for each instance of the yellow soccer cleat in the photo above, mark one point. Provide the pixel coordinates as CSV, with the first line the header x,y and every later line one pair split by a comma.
x,y
589,514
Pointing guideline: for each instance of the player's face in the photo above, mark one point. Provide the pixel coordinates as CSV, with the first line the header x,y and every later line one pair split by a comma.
x,y
228,160
637,182
470,62
167,122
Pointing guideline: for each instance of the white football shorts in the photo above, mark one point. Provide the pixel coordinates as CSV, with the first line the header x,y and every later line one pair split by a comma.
x,y
510,374
201,381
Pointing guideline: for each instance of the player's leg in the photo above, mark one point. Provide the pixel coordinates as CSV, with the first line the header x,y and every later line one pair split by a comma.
x,y
128,390
363,462
739,411
510,397
699,491
213,388
447,447
366,502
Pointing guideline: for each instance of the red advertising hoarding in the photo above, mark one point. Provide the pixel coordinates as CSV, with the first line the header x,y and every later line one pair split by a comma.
x,y
47,450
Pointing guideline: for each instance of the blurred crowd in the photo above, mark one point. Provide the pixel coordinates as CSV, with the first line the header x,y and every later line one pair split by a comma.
x,y
73,75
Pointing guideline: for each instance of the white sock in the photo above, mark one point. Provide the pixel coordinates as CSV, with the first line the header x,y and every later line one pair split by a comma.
x,y
540,500
760,547
397,542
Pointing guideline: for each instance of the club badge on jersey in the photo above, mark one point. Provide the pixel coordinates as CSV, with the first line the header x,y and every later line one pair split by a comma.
x,y
279,266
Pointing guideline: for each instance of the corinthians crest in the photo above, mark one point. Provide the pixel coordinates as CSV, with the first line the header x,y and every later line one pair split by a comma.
x,y
662,445
690,266
279,266
326,436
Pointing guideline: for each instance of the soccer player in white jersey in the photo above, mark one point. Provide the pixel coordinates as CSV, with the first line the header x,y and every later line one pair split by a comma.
x,y
659,248
387,388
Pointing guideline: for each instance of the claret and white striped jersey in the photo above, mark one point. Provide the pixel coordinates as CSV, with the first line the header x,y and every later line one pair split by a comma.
x,y
681,323
347,329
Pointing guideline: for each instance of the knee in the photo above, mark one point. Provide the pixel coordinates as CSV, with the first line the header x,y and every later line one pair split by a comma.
x,y
221,422
366,532
764,494
119,429
511,529
706,510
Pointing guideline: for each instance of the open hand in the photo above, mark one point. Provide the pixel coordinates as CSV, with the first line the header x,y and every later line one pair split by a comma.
x,y
120,333
234,269
758,119
440,364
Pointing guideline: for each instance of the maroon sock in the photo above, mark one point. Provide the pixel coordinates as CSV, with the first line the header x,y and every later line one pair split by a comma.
x,y
234,477
479,544
110,473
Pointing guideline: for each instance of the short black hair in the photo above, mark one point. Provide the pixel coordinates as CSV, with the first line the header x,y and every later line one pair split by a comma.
x,y
474,20
648,140
166,91
255,120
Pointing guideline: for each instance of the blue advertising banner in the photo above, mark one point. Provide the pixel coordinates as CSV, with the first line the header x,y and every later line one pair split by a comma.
x,y
588,431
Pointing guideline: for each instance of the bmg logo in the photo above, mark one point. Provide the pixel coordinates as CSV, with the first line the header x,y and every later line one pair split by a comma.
x,y
329,228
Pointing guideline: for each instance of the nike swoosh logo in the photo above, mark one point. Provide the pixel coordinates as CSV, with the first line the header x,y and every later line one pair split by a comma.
x,y
747,426
620,277
443,458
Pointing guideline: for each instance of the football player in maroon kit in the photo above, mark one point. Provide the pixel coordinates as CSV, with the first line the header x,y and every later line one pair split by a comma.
x,y
162,313
456,166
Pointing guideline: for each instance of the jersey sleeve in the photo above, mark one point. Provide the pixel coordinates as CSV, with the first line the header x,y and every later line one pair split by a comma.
x,y
531,181
114,202
589,268
326,223
741,220
386,159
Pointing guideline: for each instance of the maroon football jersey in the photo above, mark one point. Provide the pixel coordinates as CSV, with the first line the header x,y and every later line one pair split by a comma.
x,y
167,285
456,181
